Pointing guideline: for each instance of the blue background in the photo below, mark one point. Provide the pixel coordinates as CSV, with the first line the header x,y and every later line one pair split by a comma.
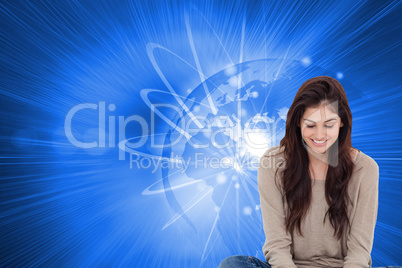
x,y
63,205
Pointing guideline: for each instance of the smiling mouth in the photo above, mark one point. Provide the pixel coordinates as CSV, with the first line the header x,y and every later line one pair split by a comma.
x,y
319,143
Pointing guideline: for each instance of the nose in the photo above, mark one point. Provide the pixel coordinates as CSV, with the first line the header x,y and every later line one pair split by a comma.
x,y
321,133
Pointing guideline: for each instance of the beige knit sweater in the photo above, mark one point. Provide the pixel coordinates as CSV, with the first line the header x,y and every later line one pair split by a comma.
x,y
318,247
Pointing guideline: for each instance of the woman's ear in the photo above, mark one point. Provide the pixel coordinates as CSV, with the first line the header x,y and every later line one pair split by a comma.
x,y
341,123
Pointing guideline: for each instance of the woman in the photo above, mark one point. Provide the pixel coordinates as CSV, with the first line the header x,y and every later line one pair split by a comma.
x,y
319,195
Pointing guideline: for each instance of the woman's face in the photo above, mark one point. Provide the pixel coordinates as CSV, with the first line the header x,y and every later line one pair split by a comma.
x,y
320,127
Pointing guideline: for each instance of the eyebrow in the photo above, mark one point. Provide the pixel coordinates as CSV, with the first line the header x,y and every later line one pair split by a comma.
x,y
324,122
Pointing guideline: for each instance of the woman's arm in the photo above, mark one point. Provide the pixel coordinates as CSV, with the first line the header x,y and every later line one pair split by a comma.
x,y
361,235
277,244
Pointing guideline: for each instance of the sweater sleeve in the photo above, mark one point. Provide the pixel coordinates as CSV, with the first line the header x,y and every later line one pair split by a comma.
x,y
361,235
277,244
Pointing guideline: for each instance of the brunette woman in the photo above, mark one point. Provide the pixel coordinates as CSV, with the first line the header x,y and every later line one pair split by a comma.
x,y
319,195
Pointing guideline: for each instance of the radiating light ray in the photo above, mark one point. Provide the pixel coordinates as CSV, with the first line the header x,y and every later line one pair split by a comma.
x,y
89,209
215,34
272,84
245,184
204,256
189,205
149,192
150,48
197,63
144,95
237,214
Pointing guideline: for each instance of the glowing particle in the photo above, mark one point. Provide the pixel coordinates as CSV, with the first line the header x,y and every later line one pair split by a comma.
x,y
196,108
306,61
112,107
247,210
221,179
233,81
230,71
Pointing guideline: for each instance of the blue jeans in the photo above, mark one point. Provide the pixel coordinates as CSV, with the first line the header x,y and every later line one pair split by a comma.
x,y
240,261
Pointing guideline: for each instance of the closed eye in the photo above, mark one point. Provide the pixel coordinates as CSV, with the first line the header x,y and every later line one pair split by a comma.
x,y
314,126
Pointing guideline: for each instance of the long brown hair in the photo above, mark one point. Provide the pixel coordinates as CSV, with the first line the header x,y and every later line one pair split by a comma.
x,y
296,180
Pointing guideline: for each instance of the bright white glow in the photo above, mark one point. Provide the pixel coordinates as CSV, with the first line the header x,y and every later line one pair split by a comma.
x,y
247,210
230,71
197,108
221,179
233,81
257,143
339,75
237,166
306,61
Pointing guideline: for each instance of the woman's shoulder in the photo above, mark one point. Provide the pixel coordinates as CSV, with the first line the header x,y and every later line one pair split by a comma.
x,y
276,151
270,163
364,161
366,165
273,158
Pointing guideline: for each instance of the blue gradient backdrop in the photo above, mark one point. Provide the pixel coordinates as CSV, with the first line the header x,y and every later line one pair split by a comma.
x,y
67,206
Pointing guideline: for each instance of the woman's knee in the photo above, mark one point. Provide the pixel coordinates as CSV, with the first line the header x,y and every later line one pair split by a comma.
x,y
233,261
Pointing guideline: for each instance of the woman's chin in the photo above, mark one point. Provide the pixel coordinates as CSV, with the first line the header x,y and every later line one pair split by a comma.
x,y
320,151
